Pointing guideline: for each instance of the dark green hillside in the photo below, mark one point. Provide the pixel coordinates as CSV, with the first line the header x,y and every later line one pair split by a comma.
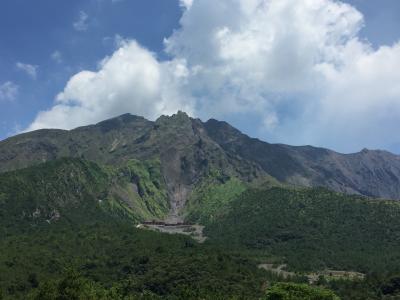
x,y
71,189
72,223
313,229
50,192
114,256
211,197
290,291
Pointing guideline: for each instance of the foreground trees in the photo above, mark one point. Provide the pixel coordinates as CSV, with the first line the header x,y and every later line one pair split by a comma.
x,y
292,291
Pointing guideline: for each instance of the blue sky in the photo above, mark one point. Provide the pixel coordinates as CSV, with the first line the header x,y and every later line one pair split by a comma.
x,y
44,43
32,31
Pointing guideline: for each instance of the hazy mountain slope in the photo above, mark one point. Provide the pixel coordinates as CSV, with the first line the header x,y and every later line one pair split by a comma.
x,y
188,150
370,173
104,142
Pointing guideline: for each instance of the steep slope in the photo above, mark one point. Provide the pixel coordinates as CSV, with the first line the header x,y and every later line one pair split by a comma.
x,y
77,191
370,173
188,156
181,145
189,151
105,142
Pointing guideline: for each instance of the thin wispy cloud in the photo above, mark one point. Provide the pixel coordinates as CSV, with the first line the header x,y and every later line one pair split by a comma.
x,y
57,56
82,23
8,91
30,70
186,3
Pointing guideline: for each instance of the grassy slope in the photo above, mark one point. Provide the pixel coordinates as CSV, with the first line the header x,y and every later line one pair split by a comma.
x,y
313,229
211,197
143,187
33,196
70,188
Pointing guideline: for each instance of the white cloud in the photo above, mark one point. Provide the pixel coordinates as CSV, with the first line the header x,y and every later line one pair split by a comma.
x,y
186,3
361,103
57,56
81,24
30,70
8,91
131,80
298,66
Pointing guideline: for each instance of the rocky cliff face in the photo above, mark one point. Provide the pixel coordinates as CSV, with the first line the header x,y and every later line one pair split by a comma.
x,y
189,149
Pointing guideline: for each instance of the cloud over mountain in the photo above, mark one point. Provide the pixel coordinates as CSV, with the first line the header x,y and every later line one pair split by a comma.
x,y
131,80
298,67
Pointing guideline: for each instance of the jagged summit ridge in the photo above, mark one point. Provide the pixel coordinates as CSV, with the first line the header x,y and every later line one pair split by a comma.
x,y
189,148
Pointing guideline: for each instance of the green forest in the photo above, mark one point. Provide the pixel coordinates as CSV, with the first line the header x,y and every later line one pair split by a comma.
x,y
68,232
313,229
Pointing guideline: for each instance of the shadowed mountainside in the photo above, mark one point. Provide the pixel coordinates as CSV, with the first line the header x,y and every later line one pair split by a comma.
x,y
374,173
189,149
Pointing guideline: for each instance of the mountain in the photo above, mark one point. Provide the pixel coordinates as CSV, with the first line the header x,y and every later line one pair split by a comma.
x,y
73,189
70,202
369,173
67,232
189,149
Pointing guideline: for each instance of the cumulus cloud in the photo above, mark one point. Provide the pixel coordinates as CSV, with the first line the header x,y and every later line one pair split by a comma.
x,y
298,67
361,102
8,91
131,80
81,24
30,70
260,51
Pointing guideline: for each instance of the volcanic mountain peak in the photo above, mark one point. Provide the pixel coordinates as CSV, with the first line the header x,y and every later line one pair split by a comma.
x,y
189,149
